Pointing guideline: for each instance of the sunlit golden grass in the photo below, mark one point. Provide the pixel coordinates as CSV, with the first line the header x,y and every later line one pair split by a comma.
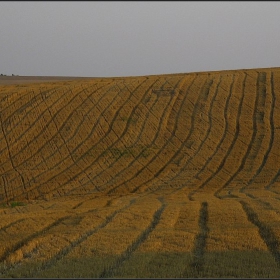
x,y
162,176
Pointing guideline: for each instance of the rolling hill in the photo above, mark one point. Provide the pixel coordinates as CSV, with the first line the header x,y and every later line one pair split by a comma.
x,y
186,166
215,133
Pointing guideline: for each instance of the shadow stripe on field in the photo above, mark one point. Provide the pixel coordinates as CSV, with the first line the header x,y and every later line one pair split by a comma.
x,y
110,271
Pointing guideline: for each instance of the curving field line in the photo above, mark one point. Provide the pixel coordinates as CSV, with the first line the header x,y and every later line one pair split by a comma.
x,y
265,232
183,168
155,157
99,142
57,150
109,272
113,172
138,134
119,139
222,139
156,136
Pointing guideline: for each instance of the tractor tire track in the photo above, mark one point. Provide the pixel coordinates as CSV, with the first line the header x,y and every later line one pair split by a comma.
x,y
57,150
265,232
190,195
66,250
25,240
200,241
184,167
154,157
53,136
98,142
138,139
11,158
110,271
271,142
31,125
119,139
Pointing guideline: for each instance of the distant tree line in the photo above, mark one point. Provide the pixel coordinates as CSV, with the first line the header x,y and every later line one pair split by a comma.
x,y
7,75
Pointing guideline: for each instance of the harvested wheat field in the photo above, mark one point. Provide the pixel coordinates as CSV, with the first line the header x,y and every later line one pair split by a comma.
x,y
153,176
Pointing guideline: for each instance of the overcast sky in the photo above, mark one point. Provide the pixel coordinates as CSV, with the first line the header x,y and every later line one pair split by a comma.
x,y
109,39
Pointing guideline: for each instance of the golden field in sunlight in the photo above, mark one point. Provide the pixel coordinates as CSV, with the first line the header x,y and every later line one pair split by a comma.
x,y
160,176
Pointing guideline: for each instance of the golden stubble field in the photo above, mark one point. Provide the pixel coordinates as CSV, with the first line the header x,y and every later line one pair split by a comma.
x,y
162,176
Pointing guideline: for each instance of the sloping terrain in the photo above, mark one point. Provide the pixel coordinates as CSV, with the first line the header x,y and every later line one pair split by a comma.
x,y
154,176
209,132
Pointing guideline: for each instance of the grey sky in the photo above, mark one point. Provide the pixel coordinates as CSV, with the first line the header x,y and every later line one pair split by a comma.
x,y
106,39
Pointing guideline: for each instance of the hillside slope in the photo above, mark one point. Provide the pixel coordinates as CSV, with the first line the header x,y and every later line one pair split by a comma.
x,y
215,133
